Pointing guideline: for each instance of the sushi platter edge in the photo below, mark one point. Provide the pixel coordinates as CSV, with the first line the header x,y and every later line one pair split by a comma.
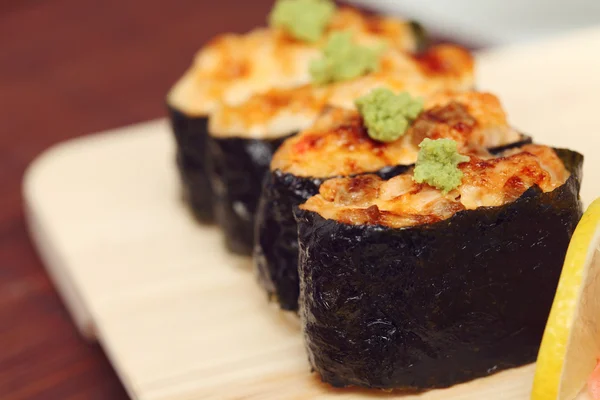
x,y
179,317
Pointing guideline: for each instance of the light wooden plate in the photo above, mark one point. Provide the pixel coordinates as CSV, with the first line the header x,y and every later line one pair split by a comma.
x,y
179,317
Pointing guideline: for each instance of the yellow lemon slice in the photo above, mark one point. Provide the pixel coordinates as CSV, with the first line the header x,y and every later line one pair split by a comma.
x,y
571,343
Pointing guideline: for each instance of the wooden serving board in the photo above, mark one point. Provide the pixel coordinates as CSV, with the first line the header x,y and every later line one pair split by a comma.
x,y
181,319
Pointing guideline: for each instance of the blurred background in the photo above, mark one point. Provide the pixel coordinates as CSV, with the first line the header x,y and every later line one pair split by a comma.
x,y
494,22
72,67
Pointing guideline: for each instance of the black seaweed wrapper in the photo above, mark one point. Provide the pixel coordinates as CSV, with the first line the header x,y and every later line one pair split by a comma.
x,y
237,167
276,242
190,138
434,305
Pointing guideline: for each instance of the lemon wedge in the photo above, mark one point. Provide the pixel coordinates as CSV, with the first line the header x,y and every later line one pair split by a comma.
x,y
571,344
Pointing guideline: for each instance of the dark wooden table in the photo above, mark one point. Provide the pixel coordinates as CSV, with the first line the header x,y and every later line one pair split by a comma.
x,y
68,68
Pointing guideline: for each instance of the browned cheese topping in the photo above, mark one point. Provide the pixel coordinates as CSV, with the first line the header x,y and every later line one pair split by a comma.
x,y
232,67
400,202
281,111
338,143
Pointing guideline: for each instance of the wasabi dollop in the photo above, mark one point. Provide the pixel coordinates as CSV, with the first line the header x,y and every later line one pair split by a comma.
x,y
387,115
437,164
304,20
343,59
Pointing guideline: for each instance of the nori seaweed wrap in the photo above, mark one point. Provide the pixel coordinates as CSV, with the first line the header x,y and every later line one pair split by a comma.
x,y
190,138
417,305
276,249
294,176
233,67
237,167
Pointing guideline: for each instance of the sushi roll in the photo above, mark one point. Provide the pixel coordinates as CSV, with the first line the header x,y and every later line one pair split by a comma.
x,y
233,67
338,144
243,138
405,285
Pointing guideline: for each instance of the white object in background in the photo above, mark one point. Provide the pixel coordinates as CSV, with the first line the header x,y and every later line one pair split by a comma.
x,y
493,22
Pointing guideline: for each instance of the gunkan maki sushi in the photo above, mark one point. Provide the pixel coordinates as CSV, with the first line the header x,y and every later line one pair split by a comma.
x,y
339,144
232,67
440,275
243,138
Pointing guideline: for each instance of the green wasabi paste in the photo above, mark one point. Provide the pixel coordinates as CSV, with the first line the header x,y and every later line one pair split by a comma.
x,y
304,20
343,60
437,164
386,115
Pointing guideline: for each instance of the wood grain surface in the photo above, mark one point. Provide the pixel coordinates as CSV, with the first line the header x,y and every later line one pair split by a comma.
x,y
68,68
